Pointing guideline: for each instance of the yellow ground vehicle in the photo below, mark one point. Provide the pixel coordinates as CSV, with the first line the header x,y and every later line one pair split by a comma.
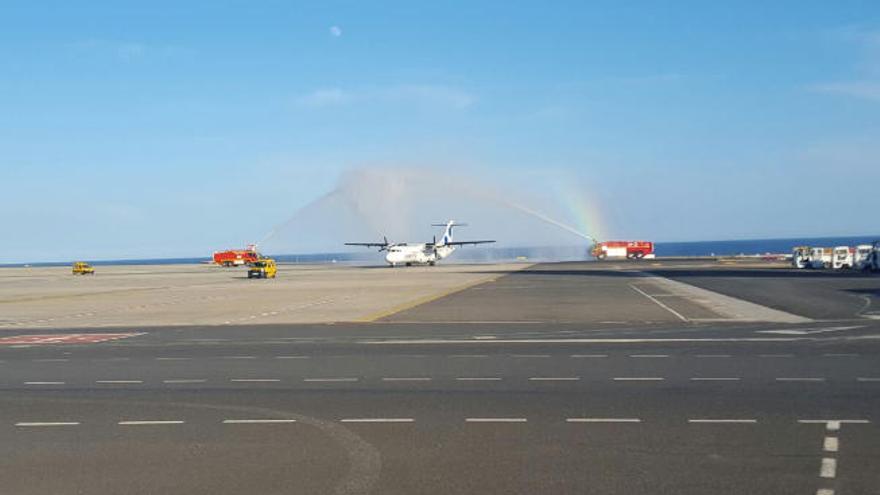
x,y
83,268
263,268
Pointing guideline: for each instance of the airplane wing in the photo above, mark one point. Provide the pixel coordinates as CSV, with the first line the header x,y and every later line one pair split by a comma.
x,y
465,243
367,244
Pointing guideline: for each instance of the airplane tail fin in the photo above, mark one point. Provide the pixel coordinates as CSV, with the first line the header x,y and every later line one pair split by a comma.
x,y
447,234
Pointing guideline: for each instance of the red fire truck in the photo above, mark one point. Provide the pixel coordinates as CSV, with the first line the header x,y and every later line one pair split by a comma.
x,y
237,257
633,250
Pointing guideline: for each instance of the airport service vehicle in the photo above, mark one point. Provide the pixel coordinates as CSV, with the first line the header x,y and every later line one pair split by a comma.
x,y
800,257
263,268
423,253
862,257
821,257
843,258
83,268
874,262
631,250
237,257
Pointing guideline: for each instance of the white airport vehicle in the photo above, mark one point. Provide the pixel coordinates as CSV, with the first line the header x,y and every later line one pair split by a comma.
x,y
843,258
821,257
423,253
862,257
801,257
874,262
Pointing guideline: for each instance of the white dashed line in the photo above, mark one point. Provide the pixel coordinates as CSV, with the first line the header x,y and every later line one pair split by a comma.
x,y
711,356
292,357
172,358
530,355
240,357
715,379
495,420
46,423
254,380
577,356
554,378
44,383
834,424
800,379
469,356
330,379
53,360
603,420
479,379
776,355
257,421
150,422
185,380
638,379
824,491
828,468
407,379
840,355
649,355
733,421
377,420
868,379
119,382
831,444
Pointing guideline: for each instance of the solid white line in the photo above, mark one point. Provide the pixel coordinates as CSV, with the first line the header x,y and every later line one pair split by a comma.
x,y
667,308
292,357
603,420
172,358
239,357
404,379
554,379
118,382
735,421
824,491
185,381
47,423
479,379
254,380
829,468
470,355
715,379
867,379
776,355
495,420
330,379
841,355
44,383
833,426
377,420
838,422
256,421
800,379
52,360
638,379
581,341
649,355
151,422
831,444
530,355
589,355
713,355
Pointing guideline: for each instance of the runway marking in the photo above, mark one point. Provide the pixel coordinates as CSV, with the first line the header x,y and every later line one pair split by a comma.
x,y
603,420
776,355
585,341
46,423
732,421
715,379
377,420
172,358
119,382
841,355
44,383
407,379
659,303
239,357
824,491
800,379
254,380
638,379
257,421
554,378
709,356
330,379
52,360
828,468
185,380
589,355
479,379
530,355
830,444
150,422
495,420
867,379
649,355
469,355
66,338
292,357
834,423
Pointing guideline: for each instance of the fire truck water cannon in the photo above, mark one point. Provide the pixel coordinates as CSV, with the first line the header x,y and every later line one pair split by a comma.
x,y
237,257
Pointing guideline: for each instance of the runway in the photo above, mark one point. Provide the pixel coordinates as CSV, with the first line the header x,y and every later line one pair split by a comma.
x,y
443,398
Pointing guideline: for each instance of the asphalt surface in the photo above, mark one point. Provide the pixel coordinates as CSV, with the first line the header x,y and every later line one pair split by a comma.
x,y
647,404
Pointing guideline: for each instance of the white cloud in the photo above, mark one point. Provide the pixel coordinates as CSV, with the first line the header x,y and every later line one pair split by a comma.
x,y
335,31
867,90
325,97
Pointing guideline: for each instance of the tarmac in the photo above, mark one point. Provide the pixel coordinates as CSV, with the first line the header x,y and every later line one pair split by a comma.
x,y
622,378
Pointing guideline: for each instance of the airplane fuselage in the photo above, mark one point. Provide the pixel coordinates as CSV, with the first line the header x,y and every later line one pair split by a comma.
x,y
417,254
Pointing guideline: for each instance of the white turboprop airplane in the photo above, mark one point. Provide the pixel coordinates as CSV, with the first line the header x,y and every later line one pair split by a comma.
x,y
428,253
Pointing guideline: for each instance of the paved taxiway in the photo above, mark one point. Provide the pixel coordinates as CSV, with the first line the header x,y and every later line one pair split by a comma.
x,y
569,394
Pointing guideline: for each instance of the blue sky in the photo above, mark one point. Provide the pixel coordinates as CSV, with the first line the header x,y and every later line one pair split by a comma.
x,y
174,128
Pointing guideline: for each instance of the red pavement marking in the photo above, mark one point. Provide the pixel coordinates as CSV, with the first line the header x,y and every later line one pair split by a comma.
x,y
65,338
